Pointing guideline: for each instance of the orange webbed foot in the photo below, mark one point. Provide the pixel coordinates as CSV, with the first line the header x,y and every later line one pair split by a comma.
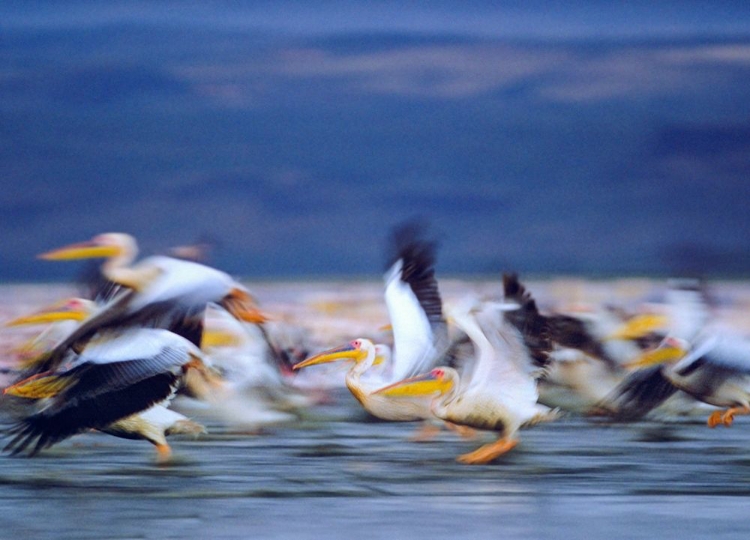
x,y
488,452
715,419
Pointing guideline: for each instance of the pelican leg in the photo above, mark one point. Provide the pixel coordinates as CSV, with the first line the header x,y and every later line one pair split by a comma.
x,y
488,452
465,432
163,453
426,432
726,417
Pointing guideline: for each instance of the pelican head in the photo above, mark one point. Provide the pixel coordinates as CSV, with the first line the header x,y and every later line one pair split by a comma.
x,y
107,245
439,381
72,309
669,351
355,350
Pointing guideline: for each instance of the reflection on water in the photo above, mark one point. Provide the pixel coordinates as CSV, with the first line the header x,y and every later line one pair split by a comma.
x,y
334,475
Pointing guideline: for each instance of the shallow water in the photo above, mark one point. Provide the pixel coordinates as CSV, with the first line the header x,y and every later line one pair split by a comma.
x,y
337,474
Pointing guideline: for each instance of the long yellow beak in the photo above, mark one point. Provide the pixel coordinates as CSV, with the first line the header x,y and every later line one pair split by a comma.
x,y
640,326
82,250
63,311
346,352
421,385
214,337
660,355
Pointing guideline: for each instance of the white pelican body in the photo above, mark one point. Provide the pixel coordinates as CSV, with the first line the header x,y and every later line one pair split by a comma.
x,y
419,332
716,371
116,376
253,392
153,425
363,383
576,382
497,393
158,291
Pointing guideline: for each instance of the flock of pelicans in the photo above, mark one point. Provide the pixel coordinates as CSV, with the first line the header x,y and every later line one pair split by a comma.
x,y
166,325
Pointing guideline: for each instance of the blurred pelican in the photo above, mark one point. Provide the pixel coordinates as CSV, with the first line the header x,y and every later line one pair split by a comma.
x,y
496,389
119,384
363,383
254,393
158,291
419,331
714,370
686,322
583,361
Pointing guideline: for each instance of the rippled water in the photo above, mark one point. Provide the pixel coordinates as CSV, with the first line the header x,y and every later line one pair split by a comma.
x,y
336,474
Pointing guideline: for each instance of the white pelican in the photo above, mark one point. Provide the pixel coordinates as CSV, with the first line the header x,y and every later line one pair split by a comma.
x,y
583,362
254,393
363,384
158,291
714,370
113,379
496,390
419,331
686,322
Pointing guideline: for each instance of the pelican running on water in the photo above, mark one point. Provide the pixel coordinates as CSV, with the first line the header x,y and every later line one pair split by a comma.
x,y
419,332
158,291
658,377
119,384
496,390
715,370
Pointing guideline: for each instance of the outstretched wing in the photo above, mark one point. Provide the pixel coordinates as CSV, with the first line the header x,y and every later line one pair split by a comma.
x,y
527,320
638,394
111,380
414,304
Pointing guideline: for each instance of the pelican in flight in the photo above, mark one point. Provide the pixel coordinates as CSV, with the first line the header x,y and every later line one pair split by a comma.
x,y
120,385
496,390
158,291
419,332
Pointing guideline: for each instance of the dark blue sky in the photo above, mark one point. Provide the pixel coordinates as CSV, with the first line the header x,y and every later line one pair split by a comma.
x,y
588,138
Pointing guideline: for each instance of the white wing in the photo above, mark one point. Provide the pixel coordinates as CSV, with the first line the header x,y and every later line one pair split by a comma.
x,y
183,281
412,337
501,372
721,350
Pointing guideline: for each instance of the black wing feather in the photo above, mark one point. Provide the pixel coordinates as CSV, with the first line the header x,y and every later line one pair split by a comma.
x,y
637,395
418,255
571,332
93,411
101,393
527,320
